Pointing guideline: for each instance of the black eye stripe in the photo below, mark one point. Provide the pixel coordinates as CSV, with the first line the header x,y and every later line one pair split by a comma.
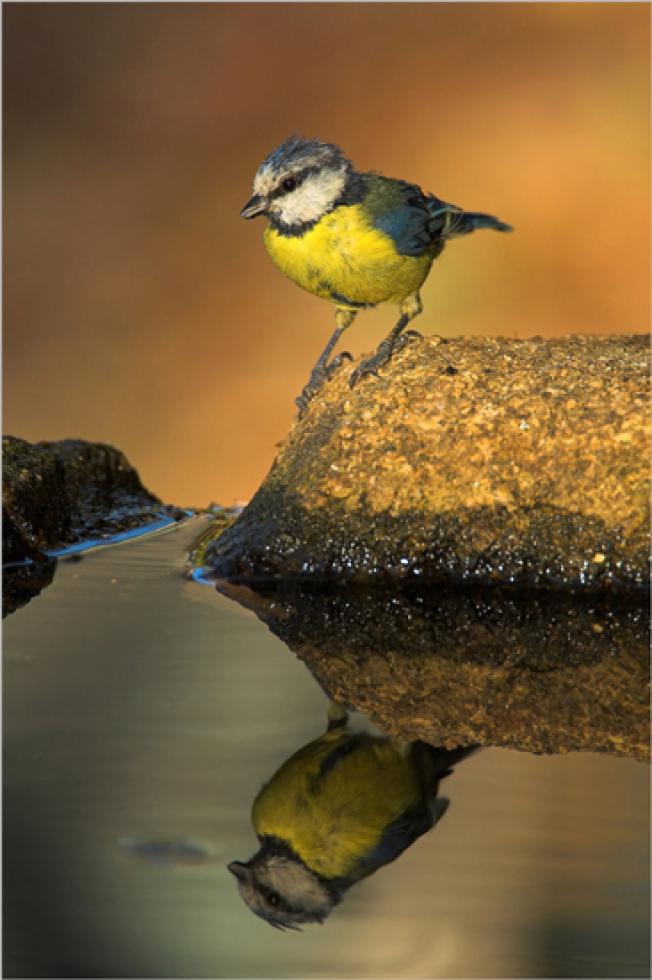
x,y
298,178
276,900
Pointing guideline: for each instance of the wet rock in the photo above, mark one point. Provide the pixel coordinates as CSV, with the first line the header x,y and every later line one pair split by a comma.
x,y
176,513
56,493
475,460
23,581
222,517
540,672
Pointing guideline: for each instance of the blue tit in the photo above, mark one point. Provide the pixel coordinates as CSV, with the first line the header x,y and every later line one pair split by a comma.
x,y
339,809
356,239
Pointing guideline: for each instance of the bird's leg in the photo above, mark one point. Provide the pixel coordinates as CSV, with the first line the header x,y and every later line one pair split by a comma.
x,y
338,716
410,308
323,370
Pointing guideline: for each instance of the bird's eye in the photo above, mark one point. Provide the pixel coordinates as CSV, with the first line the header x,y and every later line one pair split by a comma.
x,y
289,184
274,898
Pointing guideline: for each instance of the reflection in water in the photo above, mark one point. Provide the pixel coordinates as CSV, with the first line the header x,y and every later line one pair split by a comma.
x,y
142,713
539,672
25,579
22,581
336,811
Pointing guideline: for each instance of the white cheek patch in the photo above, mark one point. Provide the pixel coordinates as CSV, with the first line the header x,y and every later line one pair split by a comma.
x,y
313,198
297,885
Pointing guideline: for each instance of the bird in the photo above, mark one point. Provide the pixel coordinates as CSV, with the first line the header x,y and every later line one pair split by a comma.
x,y
336,811
356,239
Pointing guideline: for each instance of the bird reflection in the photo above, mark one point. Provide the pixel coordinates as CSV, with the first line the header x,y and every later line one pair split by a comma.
x,y
336,811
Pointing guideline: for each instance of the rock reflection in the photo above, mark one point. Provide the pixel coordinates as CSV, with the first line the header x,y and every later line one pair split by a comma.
x,y
336,811
22,581
540,672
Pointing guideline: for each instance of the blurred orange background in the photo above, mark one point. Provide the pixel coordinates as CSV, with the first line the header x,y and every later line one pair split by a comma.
x,y
141,310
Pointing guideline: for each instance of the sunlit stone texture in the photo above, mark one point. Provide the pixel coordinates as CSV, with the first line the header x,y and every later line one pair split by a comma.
x,y
520,463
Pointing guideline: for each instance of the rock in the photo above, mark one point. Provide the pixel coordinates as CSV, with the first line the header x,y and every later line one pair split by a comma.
x,y
519,463
23,582
540,672
34,504
222,517
459,548
56,493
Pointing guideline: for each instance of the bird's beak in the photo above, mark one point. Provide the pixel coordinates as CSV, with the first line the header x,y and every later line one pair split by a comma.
x,y
241,871
257,205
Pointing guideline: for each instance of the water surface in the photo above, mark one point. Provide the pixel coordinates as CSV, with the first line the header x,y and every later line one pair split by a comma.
x,y
142,713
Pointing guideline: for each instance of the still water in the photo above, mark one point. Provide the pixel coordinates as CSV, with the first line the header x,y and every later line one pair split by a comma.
x,y
142,714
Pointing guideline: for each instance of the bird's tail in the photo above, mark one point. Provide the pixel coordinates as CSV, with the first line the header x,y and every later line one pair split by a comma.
x,y
472,220
436,763
449,221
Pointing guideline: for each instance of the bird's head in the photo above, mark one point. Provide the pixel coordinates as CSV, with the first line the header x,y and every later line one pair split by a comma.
x,y
298,183
279,888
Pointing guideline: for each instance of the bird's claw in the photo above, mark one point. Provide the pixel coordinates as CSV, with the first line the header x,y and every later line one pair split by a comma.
x,y
337,362
367,367
405,339
301,401
383,356
320,374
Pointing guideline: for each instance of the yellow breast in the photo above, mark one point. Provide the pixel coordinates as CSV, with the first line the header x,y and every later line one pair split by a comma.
x,y
343,258
332,821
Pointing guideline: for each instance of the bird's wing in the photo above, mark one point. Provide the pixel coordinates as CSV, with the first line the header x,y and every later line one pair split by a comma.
x,y
432,764
418,222
414,221
397,836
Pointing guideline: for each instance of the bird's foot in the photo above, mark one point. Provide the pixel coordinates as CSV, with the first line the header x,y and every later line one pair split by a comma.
x,y
320,374
383,356
405,339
